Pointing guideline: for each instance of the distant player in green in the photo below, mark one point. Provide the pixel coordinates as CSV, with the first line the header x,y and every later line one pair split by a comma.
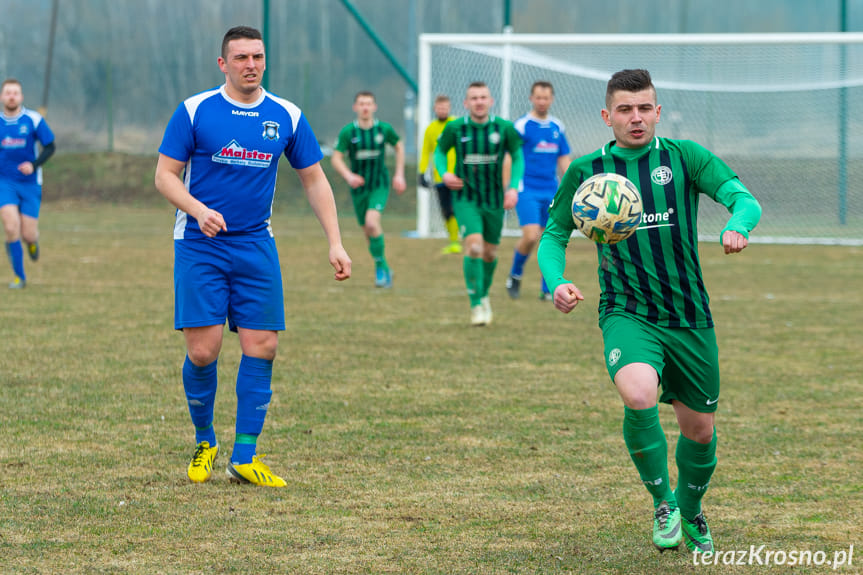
x,y
364,141
653,310
481,142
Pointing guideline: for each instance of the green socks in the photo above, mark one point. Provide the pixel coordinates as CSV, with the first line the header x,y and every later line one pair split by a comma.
x,y
487,275
695,465
473,279
648,449
376,248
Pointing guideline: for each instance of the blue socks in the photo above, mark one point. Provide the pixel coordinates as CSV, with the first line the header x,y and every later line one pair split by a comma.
x,y
200,384
518,260
16,258
253,400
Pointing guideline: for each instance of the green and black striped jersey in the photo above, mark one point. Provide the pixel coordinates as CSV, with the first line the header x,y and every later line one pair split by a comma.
x,y
367,152
654,274
479,152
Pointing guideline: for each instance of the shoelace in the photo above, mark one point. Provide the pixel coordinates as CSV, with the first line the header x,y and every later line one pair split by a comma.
x,y
701,523
198,456
662,516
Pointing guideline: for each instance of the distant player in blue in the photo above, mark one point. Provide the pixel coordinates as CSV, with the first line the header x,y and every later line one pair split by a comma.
x,y
21,175
217,164
546,156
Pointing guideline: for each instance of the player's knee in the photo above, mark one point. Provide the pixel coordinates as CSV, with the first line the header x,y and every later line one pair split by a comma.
x,y
474,250
489,252
11,230
262,345
700,433
202,355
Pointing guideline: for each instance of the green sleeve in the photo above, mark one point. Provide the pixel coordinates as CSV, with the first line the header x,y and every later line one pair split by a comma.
x,y
744,208
344,140
390,135
517,171
440,163
551,254
444,143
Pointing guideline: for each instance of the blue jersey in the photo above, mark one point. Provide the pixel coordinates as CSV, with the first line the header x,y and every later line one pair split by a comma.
x,y
18,138
232,152
544,142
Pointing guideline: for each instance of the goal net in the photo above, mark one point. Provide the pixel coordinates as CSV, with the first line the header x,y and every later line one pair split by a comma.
x,y
785,111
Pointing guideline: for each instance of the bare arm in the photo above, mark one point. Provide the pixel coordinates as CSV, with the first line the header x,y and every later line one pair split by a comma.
x,y
399,184
320,196
169,182
563,164
340,166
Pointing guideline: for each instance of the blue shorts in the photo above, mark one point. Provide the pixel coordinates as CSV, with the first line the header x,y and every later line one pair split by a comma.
x,y
532,206
26,195
240,281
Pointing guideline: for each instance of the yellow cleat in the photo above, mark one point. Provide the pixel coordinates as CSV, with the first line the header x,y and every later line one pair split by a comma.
x,y
256,473
201,466
452,248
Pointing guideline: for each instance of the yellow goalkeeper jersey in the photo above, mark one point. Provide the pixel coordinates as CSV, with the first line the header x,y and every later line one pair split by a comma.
x,y
432,133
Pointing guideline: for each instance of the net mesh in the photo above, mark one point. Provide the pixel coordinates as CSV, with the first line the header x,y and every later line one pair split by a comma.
x,y
786,116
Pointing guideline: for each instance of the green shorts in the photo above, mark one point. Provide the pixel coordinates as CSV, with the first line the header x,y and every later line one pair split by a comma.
x,y
369,200
687,360
473,219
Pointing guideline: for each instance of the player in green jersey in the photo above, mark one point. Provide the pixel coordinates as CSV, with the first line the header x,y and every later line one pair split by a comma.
x,y
481,142
654,315
364,141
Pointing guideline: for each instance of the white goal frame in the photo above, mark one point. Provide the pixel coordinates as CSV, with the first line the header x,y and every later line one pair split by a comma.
x,y
504,44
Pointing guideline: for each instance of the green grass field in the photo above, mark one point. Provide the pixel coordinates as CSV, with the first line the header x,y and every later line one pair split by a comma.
x,y
412,443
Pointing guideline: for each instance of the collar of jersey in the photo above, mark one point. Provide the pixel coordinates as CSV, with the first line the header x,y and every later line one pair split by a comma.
x,y
469,120
358,127
629,153
254,104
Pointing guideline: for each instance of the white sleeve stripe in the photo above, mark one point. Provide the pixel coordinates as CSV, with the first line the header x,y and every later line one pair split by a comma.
x,y
192,103
293,111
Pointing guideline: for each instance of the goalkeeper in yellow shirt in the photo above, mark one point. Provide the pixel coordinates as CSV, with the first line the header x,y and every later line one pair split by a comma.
x,y
442,118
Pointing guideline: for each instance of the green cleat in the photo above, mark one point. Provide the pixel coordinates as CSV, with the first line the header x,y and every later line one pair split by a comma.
x,y
666,527
697,535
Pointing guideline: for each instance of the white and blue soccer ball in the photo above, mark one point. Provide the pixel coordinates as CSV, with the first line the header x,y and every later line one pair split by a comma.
x,y
607,208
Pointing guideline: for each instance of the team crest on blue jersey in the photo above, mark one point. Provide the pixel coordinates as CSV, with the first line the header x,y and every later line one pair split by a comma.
x,y
271,130
661,175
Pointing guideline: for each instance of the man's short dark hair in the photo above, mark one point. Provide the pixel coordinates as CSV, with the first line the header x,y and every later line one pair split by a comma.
x,y
10,81
541,84
628,81
441,98
365,94
238,32
477,84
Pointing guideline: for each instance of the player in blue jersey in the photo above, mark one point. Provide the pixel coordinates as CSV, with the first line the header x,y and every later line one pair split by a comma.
x,y
546,154
21,130
217,165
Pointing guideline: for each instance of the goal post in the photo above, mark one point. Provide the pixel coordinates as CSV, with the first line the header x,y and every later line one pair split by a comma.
x,y
785,111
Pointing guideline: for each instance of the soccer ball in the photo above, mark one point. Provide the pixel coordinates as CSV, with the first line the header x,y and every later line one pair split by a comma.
x,y
607,208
